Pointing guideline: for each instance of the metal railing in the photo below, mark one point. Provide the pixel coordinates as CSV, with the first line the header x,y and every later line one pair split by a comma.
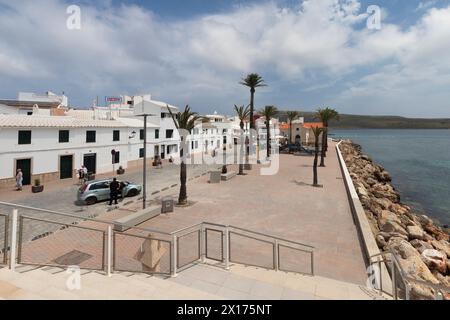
x,y
66,239
4,221
403,285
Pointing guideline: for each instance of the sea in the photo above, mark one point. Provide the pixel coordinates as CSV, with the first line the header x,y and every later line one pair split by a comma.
x,y
418,161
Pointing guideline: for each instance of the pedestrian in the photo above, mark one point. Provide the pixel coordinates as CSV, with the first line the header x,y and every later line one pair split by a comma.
x,y
81,175
19,180
114,187
85,173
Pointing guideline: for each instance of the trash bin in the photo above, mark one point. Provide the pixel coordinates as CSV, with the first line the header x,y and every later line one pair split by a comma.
x,y
215,176
167,205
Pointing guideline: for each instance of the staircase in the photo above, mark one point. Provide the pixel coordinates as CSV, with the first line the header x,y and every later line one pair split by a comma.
x,y
199,282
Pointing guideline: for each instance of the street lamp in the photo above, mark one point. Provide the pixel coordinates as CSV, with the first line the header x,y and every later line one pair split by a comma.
x,y
145,110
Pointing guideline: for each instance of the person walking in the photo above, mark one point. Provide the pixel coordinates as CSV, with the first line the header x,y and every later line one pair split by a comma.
x,y
19,180
114,187
85,173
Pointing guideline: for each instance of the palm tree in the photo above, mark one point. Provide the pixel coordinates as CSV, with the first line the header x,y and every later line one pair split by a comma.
x,y
268,112
253,81
242,114
316,131
292,115
184,122
326,115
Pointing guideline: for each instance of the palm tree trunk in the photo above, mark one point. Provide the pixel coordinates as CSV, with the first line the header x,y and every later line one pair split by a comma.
x,y
241,151
316,158
268,138
252,121
182,198
290,132
323,153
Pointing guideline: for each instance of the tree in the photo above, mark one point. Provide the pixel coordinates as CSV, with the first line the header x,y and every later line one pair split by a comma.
x,y
316,131
326,115
184,122
242,114
292,115
268,112
253,81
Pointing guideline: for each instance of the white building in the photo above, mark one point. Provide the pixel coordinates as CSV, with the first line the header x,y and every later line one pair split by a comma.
x,y
29,103
53,147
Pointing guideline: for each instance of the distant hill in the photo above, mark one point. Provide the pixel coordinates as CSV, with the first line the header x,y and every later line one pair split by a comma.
x,y
348,121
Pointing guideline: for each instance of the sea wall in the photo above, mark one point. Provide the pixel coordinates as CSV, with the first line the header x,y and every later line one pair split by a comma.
x,y
422,246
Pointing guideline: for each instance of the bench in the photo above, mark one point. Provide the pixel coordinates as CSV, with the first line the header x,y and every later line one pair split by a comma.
x,y
229,175
136,218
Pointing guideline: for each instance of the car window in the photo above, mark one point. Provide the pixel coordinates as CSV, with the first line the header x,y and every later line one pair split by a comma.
x,y
99,185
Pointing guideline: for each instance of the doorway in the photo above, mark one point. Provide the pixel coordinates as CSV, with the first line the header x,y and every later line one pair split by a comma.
x,y
163,151
25,166
90,162
66,167
156,151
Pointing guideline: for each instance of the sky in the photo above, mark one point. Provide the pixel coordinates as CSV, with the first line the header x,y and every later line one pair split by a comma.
x,y
311,53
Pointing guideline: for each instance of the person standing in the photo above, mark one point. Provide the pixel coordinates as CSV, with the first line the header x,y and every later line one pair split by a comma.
x,y
19,180
85,173
114,187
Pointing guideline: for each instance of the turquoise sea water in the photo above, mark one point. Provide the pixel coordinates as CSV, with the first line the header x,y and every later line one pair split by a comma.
x,y
419,163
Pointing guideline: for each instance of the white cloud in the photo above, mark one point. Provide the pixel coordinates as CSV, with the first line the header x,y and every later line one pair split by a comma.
x,y
200,60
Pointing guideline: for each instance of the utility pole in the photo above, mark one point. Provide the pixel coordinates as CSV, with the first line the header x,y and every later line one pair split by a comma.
x,y
144,196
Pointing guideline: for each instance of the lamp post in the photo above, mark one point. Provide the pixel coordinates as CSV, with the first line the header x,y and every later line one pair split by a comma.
x,y
145,110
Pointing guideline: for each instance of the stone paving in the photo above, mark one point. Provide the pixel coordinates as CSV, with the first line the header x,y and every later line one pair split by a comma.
x,y
284,205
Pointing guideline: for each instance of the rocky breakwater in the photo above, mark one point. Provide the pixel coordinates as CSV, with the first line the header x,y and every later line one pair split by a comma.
x,y
422,247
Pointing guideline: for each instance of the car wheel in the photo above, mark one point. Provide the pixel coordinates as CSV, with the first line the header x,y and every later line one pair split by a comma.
x,y
91,200
132,193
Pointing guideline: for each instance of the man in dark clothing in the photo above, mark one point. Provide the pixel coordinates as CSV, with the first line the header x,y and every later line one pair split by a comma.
x,y
113,191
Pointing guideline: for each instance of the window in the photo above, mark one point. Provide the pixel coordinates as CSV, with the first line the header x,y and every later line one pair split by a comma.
x,y
196,144
63,136
90,136
163,115
116,158
157,134
116,135
141,134
99,186
192,144
24,137
169,133
141,152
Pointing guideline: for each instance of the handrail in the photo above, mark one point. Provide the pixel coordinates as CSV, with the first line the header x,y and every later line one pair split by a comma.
x,y
83,218
404,276
271,236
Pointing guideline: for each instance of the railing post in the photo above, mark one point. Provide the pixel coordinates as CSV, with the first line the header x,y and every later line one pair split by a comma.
x,y
13,242
394,278
109,252
276,256
380,276
227,249
202,244
174,256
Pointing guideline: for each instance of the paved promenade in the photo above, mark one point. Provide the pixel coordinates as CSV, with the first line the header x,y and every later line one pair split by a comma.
x,y
283,205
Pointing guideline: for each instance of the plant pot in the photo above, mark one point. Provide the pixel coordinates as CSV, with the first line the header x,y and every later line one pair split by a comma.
x,y
91,177
120,171
37,189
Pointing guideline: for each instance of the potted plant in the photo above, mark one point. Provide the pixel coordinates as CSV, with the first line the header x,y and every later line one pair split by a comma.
x,y
121,170
37,186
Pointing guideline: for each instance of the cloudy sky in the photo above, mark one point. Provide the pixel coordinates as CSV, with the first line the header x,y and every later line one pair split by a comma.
x,y
311,53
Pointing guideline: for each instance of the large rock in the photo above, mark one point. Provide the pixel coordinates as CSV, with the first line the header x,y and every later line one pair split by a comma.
x,y
437,232
442,245
390,223
383,176
420,245
415,232
435,260
412,264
